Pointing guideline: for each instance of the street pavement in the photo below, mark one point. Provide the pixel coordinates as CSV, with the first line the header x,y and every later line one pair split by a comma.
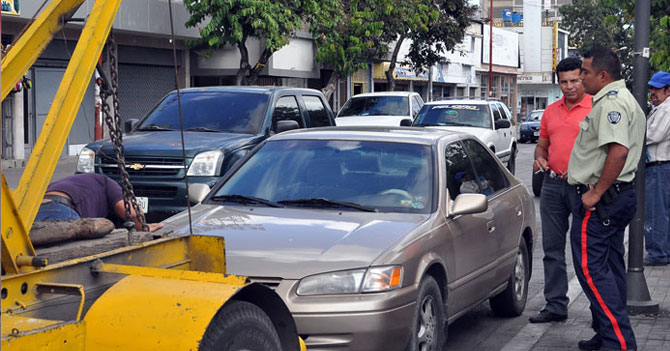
x,y
480,330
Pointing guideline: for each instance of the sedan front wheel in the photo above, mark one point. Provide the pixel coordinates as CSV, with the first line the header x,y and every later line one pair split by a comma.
x,y
428,329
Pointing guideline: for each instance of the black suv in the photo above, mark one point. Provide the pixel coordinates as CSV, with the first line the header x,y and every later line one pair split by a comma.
x,y
221,125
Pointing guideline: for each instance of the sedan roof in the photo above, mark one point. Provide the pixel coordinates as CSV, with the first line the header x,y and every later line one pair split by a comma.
x,y
415,135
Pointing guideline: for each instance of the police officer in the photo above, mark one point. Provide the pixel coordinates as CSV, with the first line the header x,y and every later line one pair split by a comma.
x,y
602,169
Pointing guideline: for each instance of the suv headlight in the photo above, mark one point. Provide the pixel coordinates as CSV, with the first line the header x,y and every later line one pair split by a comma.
x,y
374,279
86,161
206,164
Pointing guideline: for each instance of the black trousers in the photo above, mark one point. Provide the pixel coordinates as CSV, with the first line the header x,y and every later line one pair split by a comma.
x,y
598,256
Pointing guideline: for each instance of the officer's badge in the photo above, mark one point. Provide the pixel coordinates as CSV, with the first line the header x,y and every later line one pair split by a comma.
x,y
614,117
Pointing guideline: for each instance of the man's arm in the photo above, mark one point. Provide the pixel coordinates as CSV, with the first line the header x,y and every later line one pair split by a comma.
x,y
541,155
614,163
120,211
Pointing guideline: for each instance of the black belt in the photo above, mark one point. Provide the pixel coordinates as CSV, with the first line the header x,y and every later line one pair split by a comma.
x,y
656,163
62,199
617,186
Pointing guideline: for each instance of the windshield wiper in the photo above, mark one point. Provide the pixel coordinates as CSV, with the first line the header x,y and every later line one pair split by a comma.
x,y
323,202
202,129
154,127
244,199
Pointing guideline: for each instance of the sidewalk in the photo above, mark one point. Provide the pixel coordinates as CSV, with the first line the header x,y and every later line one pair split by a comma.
x,y
13,170
651,331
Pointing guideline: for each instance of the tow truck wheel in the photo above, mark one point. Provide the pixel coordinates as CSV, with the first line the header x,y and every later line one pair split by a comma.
x,y
238,326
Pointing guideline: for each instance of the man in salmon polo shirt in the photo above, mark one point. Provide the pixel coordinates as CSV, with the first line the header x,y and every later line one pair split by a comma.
x,y
558,130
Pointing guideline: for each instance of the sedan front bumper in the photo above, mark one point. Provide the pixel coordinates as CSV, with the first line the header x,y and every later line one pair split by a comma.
x,y
376,321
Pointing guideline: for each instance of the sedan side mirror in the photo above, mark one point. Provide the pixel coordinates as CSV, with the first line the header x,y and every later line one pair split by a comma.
x,y
406,122
503,123
197,192
286,124
468,204
130,124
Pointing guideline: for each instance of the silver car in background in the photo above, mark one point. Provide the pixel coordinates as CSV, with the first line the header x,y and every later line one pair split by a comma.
x,y
375,238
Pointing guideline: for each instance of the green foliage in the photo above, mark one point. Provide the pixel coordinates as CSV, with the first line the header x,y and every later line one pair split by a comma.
x,y
348,33
232,22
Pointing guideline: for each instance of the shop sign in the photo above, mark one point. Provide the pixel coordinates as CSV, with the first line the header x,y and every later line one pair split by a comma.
x,y
11,7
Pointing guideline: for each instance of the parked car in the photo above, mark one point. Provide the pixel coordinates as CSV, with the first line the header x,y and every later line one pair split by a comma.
x,y
379,109
529,130
374,237
221,125
488,120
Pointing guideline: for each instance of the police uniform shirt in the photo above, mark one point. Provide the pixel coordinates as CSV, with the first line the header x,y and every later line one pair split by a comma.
x,y
617,118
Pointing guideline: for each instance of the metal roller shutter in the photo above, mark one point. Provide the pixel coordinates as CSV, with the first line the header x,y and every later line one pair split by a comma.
x,y
141,87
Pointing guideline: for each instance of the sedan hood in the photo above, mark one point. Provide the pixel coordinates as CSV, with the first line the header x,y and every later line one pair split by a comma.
x,y
530,124
294,243
393,121
168,143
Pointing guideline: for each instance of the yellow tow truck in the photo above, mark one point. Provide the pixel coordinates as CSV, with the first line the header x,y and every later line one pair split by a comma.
x,y
160,294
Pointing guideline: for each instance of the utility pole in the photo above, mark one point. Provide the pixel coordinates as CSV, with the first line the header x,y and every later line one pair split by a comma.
x,y
490,94
639,300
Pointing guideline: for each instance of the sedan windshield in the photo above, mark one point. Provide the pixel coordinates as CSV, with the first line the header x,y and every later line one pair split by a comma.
x,y
232,112
336,174
454,115
535,116
376,106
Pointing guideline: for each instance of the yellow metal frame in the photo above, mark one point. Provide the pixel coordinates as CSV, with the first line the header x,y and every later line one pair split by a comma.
x,y
21,207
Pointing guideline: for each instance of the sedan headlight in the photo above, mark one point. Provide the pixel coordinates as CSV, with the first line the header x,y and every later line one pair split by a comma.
x,y
86,161
524,127
206,164
374,279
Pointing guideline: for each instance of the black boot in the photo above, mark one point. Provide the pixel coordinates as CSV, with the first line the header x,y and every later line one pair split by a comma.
x,y
595,343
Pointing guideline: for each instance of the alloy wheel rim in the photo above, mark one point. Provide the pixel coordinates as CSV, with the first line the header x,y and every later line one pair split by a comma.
x,y
519,276
427,323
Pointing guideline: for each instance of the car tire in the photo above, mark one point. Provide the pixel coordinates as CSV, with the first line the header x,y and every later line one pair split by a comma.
x,y
538,179
511,163
512,301
238,326
428,330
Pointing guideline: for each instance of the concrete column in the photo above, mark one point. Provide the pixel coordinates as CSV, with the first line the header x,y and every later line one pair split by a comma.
x,y
18,152
186,68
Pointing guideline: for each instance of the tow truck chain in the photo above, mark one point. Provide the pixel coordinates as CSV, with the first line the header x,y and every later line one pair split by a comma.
x,y
113,122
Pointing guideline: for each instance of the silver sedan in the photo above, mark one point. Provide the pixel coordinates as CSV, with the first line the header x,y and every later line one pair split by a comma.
x,y
375,238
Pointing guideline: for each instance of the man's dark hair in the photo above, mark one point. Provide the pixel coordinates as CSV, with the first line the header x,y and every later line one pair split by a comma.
x,y
568,64
605,60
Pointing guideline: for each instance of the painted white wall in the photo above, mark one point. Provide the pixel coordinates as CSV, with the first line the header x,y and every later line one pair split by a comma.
x,y
229,57
297,55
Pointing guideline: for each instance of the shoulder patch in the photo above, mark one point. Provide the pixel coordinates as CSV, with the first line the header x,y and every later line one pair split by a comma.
x,y
614,92
614,117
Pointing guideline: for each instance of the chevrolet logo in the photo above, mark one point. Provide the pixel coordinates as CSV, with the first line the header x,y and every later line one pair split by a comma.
x,y
136,166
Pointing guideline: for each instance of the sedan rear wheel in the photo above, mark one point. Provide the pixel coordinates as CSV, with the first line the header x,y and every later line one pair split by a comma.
x,y
512,301
427,333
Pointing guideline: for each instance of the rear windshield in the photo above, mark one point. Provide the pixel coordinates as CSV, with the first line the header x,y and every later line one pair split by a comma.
x,y
376,106
454,115
232,112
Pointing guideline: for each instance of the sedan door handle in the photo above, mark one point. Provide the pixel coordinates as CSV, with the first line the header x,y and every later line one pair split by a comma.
x,y
491,226
518,211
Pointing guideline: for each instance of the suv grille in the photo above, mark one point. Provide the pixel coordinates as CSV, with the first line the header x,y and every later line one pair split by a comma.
x,y
143,166
167,192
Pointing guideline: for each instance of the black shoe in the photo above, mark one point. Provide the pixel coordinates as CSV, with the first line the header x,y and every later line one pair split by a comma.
x,y
595,343
654,263
545,317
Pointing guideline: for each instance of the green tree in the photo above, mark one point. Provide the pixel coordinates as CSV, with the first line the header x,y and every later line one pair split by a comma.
x,y
434,27
600,23
233,22
348,35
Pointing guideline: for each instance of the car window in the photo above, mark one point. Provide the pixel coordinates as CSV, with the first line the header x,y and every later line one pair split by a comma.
x,y
503,113
496,112
454,115
507,112
535,116
416,106
460,175
389,177
318,114
216,111
489,176
375,106
287,109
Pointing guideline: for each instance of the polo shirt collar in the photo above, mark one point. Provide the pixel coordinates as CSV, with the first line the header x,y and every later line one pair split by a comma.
x,y
583,103
614,86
